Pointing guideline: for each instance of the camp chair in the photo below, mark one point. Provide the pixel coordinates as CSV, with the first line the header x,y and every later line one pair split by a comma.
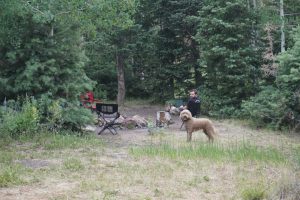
x,y
195,110
107,116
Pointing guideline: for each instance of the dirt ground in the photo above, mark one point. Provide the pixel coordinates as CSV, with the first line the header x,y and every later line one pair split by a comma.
x,y
227,131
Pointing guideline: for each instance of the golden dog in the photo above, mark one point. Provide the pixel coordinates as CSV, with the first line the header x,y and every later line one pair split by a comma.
x,y
193,124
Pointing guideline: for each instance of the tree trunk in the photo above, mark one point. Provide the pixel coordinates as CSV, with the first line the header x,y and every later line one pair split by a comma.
x,y
51,31
254,28
198,76
282,27
170,89
254,4
121,79
194,61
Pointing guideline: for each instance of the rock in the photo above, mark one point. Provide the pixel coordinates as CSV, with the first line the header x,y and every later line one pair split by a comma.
x,y
135,122
140,121
89,128
129,123
174,110
120,120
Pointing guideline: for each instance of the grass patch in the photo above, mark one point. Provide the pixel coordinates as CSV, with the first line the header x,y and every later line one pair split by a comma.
x,y
7,156
296,156
73,164
254,193
287,188
241,152
10,176
65,141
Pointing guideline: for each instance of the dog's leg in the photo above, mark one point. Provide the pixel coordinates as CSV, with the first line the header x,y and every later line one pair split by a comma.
x,y
189,136
209,135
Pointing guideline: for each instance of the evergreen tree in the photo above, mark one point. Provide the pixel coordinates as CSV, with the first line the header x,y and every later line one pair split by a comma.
x,y
108,44
46,54
288,79
231,60
172,26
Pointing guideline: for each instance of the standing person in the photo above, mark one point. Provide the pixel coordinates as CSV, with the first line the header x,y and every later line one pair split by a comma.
x,y
193,104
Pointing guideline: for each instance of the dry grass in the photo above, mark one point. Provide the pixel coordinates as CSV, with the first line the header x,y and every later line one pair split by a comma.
x,y
67,167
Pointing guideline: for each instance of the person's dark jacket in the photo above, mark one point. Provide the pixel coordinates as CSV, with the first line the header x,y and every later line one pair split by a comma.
x,y
193,106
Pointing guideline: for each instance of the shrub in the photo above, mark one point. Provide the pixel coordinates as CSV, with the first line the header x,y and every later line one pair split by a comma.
x,y
212,104
51,113
60,114
74,116
266,107
24,122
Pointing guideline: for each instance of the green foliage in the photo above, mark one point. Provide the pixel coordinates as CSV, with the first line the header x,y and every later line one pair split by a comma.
x,y
24,122
52,113
288,78
48,57
230,61
111,36
101,91
213,105
45,114
75,117
209,101
56,48
169,58
267,107
272,103
59,114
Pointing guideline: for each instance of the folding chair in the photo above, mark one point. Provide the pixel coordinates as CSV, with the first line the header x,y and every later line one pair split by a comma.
x,y
107,116
195,110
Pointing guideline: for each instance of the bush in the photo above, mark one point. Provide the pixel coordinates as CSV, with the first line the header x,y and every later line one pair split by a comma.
x,y
74,117
58,115
99,92
24,122
211,104
267,107
52,115
207,105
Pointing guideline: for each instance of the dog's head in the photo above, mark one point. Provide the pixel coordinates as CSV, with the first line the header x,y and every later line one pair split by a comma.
x,y
185,115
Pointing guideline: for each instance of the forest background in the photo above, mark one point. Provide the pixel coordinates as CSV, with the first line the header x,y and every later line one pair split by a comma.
x,y
242,55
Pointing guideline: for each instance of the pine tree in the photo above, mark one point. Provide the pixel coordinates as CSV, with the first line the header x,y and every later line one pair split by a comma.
x,y
46,54
288,79
225,38
170,26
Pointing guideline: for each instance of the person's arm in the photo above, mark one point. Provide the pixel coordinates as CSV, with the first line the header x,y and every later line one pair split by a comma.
x,y
188,105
